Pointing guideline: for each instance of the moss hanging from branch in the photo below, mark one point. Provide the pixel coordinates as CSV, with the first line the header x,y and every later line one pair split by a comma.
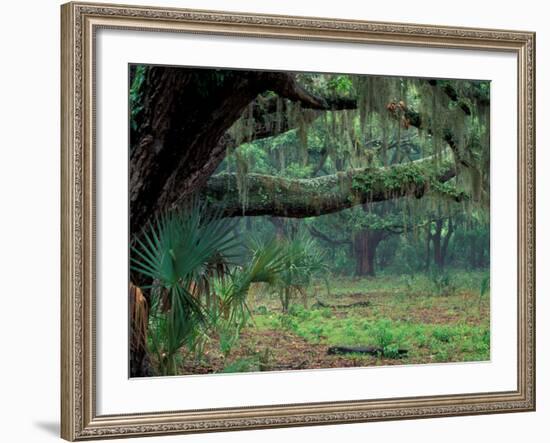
x,y
385,116
280,196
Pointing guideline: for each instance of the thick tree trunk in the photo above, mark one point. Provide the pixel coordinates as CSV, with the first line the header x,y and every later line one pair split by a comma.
x,y
182,135
365,244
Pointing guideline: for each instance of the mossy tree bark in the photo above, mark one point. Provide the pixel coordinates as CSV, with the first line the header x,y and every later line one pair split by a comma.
x,y
301,198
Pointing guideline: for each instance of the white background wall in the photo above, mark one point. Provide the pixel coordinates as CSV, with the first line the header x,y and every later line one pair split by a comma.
x,y
29,219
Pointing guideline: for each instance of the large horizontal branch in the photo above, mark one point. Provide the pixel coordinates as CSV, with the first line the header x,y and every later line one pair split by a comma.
x,y
258,194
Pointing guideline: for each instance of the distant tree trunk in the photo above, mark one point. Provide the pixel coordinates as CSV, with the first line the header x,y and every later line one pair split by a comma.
x,y
360,246
477,252
481,257
441,241
371,254
446,240
365,244
473,254
436,239
428,241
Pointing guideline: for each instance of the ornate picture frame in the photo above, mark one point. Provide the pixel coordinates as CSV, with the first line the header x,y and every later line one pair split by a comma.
x,y
79,417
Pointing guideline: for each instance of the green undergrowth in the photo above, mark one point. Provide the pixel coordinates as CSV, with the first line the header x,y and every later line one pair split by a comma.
x,y
409,284
438,342
432,326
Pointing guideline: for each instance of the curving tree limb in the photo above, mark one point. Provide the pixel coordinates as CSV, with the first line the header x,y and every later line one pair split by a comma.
x,y
301,198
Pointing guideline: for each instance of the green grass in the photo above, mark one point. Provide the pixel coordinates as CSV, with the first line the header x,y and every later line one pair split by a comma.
x,y
404,314
242,365
437,320
422,283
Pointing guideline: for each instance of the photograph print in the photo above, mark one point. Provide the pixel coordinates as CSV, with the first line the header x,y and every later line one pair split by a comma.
x,y
284,221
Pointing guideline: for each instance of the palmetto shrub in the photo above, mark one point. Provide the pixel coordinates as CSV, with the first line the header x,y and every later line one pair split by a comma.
x,y
180,253
201,276
302,261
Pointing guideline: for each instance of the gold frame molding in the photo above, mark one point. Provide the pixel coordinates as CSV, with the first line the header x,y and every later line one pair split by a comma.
x,y
79,22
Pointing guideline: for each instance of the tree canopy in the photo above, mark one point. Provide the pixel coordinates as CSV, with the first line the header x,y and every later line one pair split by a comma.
x,y
300,145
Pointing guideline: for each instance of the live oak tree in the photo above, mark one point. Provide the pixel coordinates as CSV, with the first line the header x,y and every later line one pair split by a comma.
x,y
350,142
361,230
185,121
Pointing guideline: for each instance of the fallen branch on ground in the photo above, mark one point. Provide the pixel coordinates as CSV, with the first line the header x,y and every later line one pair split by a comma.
x,y
371,350
322,304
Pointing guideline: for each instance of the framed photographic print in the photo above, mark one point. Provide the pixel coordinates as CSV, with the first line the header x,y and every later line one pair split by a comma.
x,y
282,221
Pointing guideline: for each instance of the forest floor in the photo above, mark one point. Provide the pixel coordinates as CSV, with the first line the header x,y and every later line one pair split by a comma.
x,y
435,321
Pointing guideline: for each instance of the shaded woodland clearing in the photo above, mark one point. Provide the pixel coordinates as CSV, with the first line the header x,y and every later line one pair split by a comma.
x,y
405,313
242,180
